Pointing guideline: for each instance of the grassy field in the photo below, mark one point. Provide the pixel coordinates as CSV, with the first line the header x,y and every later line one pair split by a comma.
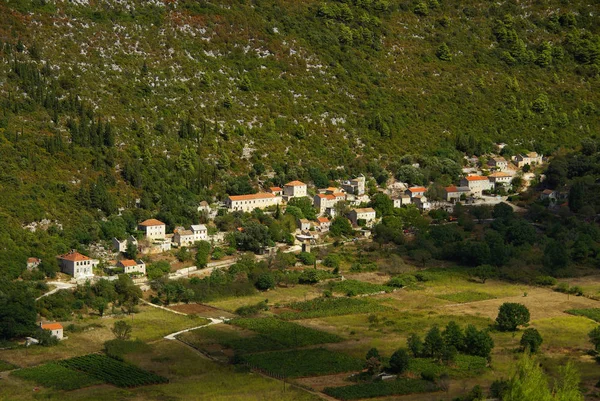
x,y
322,307
57,377
277,296
591,313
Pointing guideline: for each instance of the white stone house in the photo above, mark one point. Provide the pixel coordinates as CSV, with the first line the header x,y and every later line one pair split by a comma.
x,y
355,186
204,207
453,193
294,189
121,246
55,329
304,224
184,237
549,194
200,232
77,265
421,203
530,158
499,163
415,191
368,214
153,229
132,266
500,178
277,191
476,183
324,203
247,203
401,200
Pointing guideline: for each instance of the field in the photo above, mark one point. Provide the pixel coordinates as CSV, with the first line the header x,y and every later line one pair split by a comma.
x,y
4,366
355,287
592,313
112,371
57,376
287,333
322,307
466,296
381,389
299,363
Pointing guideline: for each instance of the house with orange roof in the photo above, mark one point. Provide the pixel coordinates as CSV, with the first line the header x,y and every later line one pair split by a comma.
x,y
454,193
476,184
132,266
277,191
32,263
56,329
415,191
323,224
247,203
77,265
325,203
153,229
294,189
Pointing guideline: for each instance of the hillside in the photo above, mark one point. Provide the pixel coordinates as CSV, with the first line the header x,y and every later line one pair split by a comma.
x,y
107,102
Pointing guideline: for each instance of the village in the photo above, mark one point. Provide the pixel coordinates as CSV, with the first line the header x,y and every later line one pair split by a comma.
x,y
486,184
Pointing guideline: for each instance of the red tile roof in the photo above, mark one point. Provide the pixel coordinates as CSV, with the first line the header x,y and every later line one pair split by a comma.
x,y
273,189
326,196
476,178
73,256
33,260
417,189
322,219
152,222
451,189
499,174
260,195
52,326
128,263
294,183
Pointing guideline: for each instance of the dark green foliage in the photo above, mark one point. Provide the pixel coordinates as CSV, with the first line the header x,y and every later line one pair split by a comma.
x,y
453,336
592,313
340,226
433,345
531,340
57,377
305,205
399,361
484,272
202,254
322,307
251,310
415,344
287,333
512,315
17,310
478,342
594,336
254,237
400,386
112,371
265,281
307,258
117,348
309,362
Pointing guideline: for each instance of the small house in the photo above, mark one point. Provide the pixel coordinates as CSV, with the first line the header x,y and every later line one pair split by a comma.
x,y
153,229
294,189
77,265
367,214
415,191
132,266
500,178
476,184
323,224
499,163
32,263
304,224
55,329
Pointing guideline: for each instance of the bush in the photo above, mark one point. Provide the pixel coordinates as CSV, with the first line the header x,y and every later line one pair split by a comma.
x,y
402,281
531,340
562,287
512,315
309,277
429,375
307,258
265,281
332,261
545,280
251,310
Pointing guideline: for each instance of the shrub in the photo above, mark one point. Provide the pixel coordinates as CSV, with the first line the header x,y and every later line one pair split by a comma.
x,y
307,258
428,375
402,281
251,310
545,280
531,340
265,281
332,261
415,344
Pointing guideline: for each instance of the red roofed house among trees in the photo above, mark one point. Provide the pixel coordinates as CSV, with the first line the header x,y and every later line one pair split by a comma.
x,y
153,229
77,265
55,329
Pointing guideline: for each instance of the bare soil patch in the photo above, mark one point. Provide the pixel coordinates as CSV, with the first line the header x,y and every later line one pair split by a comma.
x,y
320,382
542,303
201,310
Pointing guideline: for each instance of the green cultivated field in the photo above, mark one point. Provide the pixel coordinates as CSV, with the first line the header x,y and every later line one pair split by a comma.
x,y
287,333
322,307
300,363
592,313
57,376
381,389
355,287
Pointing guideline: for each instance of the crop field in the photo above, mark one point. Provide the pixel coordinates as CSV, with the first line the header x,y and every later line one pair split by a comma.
x,y
240,340
400,386
464,366
56,376
592,313
322,307
300,363
355,287
111,371
287,333
466,296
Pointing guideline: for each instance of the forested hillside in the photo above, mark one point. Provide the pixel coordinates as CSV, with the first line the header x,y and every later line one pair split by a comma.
x,y
107,102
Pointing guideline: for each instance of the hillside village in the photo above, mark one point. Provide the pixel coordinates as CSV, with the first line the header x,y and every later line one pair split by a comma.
x,y
485,183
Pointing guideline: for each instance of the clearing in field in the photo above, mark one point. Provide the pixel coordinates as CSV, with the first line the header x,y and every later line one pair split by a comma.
x,y
322,307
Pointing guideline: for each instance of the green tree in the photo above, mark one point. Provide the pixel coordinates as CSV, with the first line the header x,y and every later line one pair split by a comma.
x,y
305,205
433,346
202,254
511,315
17,310
415,344
531,340
502,210
131,250
556,256
340,225
383,204
454,336
265,281
484,272
121,330
100,304
443,52
478,342
594,336
399,361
